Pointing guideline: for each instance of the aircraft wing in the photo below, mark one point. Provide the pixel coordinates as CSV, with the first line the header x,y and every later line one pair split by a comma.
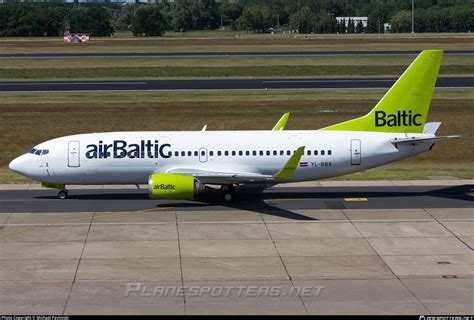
x,y
415,140
223,177
220,176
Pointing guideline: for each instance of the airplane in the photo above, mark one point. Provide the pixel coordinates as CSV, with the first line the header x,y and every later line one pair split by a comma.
x,y
179,164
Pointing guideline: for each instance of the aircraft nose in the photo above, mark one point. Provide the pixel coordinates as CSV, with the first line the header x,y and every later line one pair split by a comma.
x,y
18,164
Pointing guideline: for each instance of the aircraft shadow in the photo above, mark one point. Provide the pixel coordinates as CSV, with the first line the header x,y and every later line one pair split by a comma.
x,y
462,192
254,198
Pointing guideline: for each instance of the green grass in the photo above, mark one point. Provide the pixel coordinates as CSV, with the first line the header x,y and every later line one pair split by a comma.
x,y
409,171
225,61
225,42
214,72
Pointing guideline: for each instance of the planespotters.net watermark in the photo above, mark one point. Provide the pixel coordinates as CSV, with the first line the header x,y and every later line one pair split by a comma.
x,y
139,289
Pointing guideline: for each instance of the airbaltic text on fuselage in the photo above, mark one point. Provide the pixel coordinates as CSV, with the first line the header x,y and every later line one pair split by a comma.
x,y
401,118
121,149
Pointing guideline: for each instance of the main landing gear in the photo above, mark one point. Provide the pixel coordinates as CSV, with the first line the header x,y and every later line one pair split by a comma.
x,y
228,192
62,194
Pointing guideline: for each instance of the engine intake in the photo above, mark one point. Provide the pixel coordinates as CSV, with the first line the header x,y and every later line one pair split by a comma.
x,y
173,186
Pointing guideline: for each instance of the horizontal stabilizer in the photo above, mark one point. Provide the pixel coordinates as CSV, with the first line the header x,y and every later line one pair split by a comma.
x,y
281,124
418,140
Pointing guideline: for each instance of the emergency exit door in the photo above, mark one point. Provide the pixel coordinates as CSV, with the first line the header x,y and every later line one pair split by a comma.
x,y
355,152
73,154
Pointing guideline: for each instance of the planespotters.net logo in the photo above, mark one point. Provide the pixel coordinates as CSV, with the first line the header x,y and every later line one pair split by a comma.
x,y
141,290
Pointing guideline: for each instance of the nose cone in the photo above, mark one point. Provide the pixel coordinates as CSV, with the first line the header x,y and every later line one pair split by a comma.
x,y
18,165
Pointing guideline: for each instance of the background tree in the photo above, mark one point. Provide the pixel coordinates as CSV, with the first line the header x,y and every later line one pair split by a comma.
x,y
401,21
255,18
359,27
350,26
93,19
148,21
304,20
229,12
194,15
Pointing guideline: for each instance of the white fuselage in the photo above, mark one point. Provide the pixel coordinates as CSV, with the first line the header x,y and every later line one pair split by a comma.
x,y
82,158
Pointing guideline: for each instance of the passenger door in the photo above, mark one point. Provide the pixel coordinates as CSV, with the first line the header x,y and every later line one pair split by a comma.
x,y
73,154
355,152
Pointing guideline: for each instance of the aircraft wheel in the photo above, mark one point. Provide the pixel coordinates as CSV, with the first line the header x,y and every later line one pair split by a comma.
x,y
228,197
62,194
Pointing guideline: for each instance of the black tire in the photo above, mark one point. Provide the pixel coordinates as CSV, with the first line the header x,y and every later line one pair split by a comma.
x,y
62,194
228,197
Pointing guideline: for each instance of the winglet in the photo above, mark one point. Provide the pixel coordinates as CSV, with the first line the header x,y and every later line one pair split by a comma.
x,y
204,128
280,125
289,168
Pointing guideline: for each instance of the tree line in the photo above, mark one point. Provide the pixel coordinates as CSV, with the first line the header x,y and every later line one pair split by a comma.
x,y
304,16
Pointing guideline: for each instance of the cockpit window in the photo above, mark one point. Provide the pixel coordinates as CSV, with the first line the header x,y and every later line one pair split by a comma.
x,y
39,152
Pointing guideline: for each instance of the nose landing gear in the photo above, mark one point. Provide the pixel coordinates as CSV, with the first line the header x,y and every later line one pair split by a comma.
x,y
62,194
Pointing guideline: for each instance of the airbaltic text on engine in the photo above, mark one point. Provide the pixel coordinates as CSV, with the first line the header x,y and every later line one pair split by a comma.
x,y
401,118
121,149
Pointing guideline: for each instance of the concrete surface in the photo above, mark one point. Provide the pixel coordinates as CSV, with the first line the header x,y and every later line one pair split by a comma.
x,y
364,261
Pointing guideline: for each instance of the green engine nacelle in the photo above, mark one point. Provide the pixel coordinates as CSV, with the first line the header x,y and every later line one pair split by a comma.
x,y
173,186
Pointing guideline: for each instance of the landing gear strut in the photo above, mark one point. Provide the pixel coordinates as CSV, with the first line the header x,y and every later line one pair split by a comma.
x,y
62,194
228,194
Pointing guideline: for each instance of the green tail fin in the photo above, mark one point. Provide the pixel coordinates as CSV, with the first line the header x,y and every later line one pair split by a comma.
x,y
405,106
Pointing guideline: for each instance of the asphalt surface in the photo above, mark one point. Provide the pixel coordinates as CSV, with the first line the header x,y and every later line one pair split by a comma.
x,y
279,201
217,84
224,54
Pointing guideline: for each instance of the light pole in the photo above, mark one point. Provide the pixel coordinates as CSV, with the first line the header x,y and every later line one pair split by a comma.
x,y
412,16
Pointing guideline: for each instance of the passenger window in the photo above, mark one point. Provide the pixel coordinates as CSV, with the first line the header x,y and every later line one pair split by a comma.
x,y
268,152
226,153
241,153
288,152
329,152
190,153
219,153
211,153
203,153
261,152
233,153
254,153
247,153
315,152
176,153
308,153
275,152
282,152
322,152
196,153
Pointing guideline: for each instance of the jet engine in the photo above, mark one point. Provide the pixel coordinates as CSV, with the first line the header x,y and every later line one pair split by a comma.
x,y
173,186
